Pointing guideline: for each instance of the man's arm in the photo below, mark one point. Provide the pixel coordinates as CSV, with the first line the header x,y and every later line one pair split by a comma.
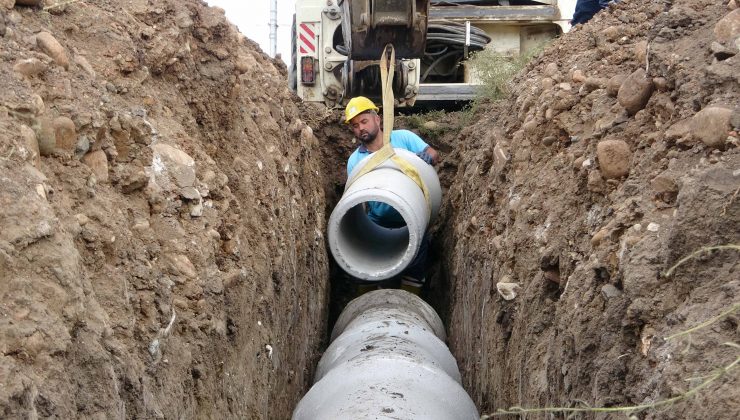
x,y
433,153
416,144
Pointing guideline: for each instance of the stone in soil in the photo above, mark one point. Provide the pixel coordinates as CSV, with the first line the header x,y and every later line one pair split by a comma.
x,y
51,47
614,83
635,91
30,67
728,28
45,135
98,163
711,125
614,158
173,161
32,144
65,134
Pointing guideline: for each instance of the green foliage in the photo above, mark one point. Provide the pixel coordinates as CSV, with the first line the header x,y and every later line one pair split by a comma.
x,y
430,125
496,70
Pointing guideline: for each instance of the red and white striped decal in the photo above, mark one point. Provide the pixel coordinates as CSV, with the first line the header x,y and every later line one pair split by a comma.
x,y
307,38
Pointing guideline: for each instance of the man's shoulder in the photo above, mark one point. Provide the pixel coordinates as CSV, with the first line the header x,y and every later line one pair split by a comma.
x,y
408,139
404,133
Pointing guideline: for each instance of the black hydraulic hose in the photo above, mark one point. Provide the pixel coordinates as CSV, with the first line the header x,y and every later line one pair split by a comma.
x,y
437,61
446,42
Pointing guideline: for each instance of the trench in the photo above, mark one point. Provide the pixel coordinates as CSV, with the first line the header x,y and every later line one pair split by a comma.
x,y
342,288
209,293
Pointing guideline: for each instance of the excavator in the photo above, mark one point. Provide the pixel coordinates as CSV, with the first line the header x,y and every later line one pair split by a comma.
x,y
336,44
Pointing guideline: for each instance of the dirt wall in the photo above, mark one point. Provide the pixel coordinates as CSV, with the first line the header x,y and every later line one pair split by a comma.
x,y
583,188
162,250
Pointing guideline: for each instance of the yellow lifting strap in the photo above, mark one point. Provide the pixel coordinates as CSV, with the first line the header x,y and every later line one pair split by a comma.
x,y
387,67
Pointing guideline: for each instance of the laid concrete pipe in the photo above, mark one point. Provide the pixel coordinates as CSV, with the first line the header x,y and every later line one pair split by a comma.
x,y
387,360
371,252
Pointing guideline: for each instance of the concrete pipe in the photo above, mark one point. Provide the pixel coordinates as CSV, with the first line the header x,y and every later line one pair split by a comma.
x,y
388,360
371,252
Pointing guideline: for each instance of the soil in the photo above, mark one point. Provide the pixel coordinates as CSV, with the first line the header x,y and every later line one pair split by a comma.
x,y
585,200
164,200
164,256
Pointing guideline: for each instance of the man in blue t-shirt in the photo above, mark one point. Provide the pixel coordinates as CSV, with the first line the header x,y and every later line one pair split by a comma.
x,y
362,116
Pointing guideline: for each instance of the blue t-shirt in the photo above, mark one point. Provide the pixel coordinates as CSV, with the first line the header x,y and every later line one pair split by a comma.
x,y
382,213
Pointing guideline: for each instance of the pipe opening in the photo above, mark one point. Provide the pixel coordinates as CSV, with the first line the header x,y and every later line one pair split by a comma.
x,y
370,247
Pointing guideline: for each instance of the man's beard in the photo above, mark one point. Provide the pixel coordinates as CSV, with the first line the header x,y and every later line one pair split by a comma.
x,y
368,136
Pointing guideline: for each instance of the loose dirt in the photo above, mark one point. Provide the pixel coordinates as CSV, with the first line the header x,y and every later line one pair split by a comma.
x,y
598,173
162,251
164,200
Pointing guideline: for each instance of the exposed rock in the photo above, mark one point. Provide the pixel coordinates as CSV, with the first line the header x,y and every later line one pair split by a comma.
x,y
549,140
65,134
178,164
27,216
244,63
593,83
711,125
609,291
179,265
551,69
660,83
134,180
30,67
2,24
641,51
614,83
81,61
578,76
595,182
614,158
547,83
32,144
196,209
51,47
6,4
728,28
611,33
665,186
44,128
190,193
98,162
500,157
83,146
635,91
599,236
721,52
678,130
506,289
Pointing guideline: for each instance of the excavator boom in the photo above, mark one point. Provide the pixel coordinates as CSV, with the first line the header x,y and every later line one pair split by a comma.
x,y
372,24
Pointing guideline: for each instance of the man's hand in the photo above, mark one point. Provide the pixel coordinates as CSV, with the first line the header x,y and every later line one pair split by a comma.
x,y
426,157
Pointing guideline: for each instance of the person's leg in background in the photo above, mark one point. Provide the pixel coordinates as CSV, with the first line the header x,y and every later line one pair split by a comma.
x,y
414,276
586,9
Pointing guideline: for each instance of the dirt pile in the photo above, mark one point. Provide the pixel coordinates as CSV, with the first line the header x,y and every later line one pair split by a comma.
x,y
162,212
616,156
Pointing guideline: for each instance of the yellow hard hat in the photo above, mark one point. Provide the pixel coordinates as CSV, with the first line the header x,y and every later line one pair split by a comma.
x,y
357,106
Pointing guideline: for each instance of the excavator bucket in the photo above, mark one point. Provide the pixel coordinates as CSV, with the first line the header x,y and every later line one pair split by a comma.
x,y
370,25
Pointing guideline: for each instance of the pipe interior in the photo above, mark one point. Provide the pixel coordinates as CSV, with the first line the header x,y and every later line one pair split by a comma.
x,y
369,246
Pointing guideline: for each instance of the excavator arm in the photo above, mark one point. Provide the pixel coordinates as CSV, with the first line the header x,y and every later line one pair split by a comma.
x,y
369,25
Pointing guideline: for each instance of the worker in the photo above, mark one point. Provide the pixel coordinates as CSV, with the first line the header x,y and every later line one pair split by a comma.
x,y
586,9
362,116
